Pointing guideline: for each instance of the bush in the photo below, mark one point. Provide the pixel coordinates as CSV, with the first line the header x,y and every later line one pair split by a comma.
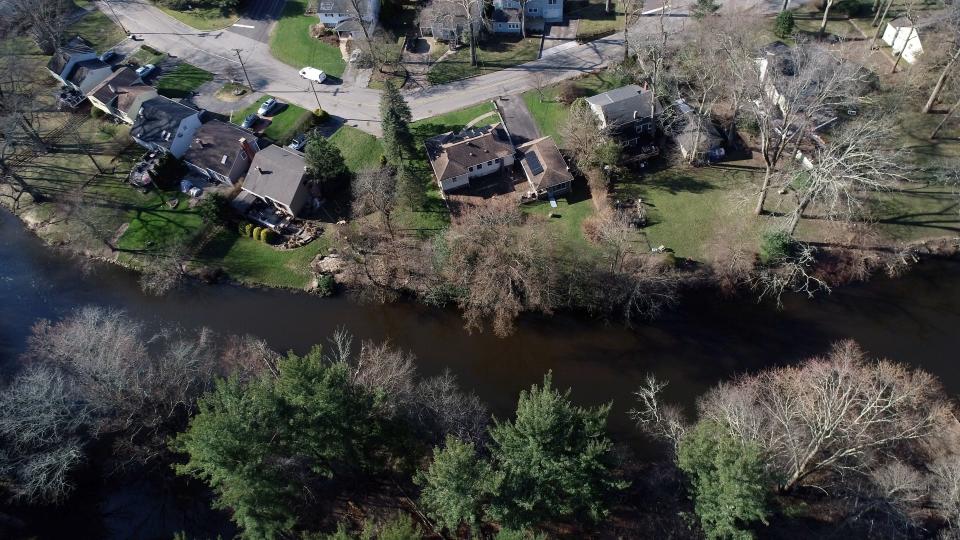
x,y
166,174
96,112
325,285
784,24
267,236
214,209
256,233
775,246
320,116
570,91
247,230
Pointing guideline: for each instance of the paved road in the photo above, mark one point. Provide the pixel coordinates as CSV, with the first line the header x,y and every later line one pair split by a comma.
x,y
258,18
214,52
517,118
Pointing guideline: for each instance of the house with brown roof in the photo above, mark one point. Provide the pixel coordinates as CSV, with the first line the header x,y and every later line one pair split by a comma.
x,y
221,151
279,176
546,170
471,153
121,94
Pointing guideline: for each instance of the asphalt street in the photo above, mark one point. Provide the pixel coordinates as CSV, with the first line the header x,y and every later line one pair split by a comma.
x,y
257,20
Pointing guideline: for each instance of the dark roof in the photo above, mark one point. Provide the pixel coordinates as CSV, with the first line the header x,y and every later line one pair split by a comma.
x,y
901,22
453,154
215,146
502,15
83,68
116,85
625,104
158,120
544,164
708,139
276,173
62,56
348,25
343,6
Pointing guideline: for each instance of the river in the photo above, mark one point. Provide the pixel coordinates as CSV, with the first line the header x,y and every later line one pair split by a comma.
x,y
913,319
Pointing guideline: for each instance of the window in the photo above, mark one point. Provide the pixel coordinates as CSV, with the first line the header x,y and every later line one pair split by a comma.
x,y
479,166
552,2
490,163
532,10
513,26
470,169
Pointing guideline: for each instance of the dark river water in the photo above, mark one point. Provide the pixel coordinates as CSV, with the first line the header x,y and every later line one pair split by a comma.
x,y
913,319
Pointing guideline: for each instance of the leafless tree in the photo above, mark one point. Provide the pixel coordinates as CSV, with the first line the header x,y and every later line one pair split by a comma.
x,y
45,20
945,489
793,273
44,428
835,413
446,410
656,418
247,357
164,270
951,53
582,136
382,368
857,161
375,190
472,13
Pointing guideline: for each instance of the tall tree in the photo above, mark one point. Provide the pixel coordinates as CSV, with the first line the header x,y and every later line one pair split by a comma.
x,y
324,161
951,31
375,190
728,478
555,459
457,485
396,118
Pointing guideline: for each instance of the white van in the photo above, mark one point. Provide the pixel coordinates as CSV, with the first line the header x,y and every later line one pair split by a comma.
x,y
313,74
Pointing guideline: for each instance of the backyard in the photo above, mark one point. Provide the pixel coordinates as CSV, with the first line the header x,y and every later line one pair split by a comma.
x,y
360,150
154,225
283,124
496,53
98,29
181,81
549,112
292,44
249,261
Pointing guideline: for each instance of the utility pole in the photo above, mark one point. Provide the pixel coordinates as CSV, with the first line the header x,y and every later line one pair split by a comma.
x,y
109,5
244,68
315,94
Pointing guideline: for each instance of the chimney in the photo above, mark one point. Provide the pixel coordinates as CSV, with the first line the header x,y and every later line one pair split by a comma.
x,y
636,114
247,148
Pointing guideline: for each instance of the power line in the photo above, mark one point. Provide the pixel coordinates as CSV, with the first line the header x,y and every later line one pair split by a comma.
x,y
244,68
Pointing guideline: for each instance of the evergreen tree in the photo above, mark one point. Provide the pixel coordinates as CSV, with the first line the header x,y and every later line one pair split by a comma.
x,y
324,161
261,445
555,460
456,485
784,24
396,118
703,8
728,480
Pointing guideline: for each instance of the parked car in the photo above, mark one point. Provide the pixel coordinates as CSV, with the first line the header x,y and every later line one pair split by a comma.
x,y
313,74
143,71
267,106
105,57
298,142
249,121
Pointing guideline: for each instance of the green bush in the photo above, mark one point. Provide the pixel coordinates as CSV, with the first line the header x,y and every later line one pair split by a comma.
x,y
247,230
320,116
96,112
775,246
256,233
784,24
267,236
325,285
214,209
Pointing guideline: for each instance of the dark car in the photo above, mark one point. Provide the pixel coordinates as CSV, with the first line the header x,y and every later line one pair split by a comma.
x,y
298,142
249,121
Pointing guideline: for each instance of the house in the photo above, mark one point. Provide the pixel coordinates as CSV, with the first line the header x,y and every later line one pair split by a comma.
x,y
343,16
506,15
445,21
545,169
121,94
162,124
629,112
471,153
221,151
76,65
278,176
699,139
902,36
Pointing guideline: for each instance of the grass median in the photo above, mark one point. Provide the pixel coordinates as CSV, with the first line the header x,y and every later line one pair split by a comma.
x,y
292,44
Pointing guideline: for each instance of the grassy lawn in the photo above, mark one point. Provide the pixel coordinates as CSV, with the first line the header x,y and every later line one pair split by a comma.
x,y
569,214
291,42
155,224
495,54
549,113
360,150
146,55
595,22
182,80
249,261
202,18
282,125
98,29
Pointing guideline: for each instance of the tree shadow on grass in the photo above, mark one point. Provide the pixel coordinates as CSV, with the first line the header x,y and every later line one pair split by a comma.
x,y
675,184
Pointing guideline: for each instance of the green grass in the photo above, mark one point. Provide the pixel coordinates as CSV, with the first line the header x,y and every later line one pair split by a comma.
x,y
570,212
451,121
550,114
252,262
182,80
497,53
595,22
146,55
689,207
282,125
360,150
202,18
291,43
156,225
98,29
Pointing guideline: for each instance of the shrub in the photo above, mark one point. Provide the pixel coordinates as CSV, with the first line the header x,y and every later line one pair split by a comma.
x,y
775,246
256,233
267,236
784,25
570,91
96,112
214,209
167,172
325,285
247,230
320,116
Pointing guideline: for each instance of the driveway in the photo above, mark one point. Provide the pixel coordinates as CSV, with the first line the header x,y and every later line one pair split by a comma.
x,y
517,118
258,19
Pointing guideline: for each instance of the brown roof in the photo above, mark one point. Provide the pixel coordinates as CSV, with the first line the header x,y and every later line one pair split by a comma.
x,y
216,146
452,154
543,163
113,86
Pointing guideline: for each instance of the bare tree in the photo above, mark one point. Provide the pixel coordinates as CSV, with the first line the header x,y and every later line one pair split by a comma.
x,y
793,273
164,270
849,167
830,414
656,418
444,409
472,13
45,20
375,190
945,489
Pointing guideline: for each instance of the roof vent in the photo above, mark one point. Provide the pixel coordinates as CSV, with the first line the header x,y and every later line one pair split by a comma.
x,y
112,89
223,160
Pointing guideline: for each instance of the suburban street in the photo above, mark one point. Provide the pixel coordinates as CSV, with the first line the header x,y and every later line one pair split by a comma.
x,y
216,52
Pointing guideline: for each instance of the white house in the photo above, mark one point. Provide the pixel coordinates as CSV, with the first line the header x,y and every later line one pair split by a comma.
x,y
76,65
165,125
902,36
458,157
506,15
343,15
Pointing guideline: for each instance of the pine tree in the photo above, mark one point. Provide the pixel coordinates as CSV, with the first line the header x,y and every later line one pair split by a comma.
x,y
555,459
728,479
703,8
456,485
396,118
784,24
324,161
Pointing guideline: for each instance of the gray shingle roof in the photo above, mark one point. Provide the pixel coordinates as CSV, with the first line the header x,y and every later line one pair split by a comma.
x,y
78,75
624,104
62,56
452,154
343,6
159,117
276,173
216,146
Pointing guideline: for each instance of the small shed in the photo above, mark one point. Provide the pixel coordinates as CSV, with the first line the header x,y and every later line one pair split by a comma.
x,y
902,36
